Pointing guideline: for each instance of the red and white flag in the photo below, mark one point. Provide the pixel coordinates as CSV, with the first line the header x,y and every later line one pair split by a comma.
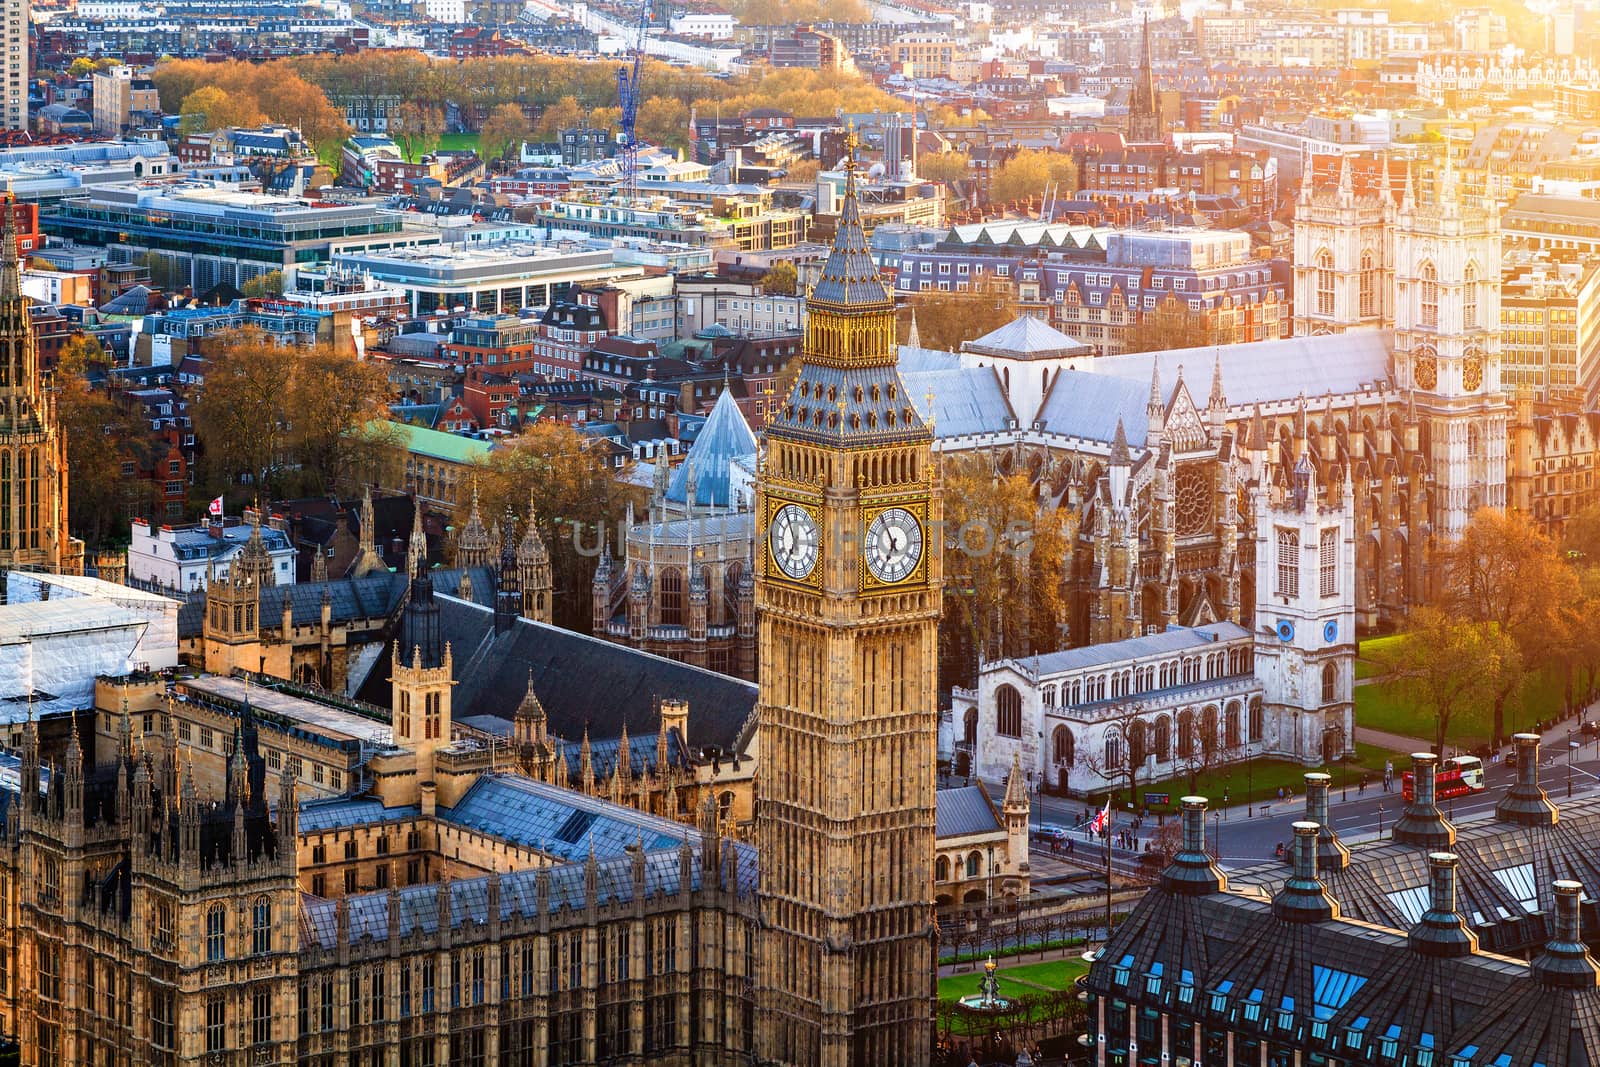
x,y
1100,821
215,507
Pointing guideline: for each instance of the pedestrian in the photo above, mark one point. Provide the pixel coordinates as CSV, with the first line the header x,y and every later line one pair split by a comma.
x,y
1069,846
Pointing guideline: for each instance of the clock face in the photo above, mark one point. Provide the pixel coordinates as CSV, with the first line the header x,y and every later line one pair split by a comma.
x,y
793,540
1427,372
894,545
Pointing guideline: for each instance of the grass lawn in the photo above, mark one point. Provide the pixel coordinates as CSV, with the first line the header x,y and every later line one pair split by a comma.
x,y
1030,978
1382,706
1370,652
456,141
1258,781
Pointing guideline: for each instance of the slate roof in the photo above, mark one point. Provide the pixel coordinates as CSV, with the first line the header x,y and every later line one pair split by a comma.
x,y
1027,337
724,440
859,423
376,596
1315,986
1173,639
1267,371
965,810
560,822
966,400
1089,405
581,681
522,893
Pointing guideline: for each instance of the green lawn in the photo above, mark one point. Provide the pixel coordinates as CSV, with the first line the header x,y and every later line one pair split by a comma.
x,y
1370,652
1030,978
1258,781
1382,706
456,141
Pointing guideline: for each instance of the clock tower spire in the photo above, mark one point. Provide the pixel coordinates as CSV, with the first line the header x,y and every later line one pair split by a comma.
x,y
848,592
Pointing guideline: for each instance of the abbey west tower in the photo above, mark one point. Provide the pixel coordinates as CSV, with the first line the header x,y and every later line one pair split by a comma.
x,y
849,591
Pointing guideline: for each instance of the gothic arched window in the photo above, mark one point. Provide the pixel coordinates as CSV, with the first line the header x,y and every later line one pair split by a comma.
x,y
974,864
1369,284
941,869
1257,721
1429,288
1008,711
1469,299
671,597
1324,282
1330,683
261,926
216,933
1063,748
1163,745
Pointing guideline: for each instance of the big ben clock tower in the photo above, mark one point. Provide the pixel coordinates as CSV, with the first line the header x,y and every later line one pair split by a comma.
x,y
848,590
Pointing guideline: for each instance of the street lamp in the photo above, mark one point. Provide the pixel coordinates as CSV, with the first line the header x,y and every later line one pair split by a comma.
x,y
1571,744
1380,818
1249,782
1216,833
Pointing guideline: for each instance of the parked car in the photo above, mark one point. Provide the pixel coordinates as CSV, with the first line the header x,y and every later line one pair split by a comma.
x,y
1050,831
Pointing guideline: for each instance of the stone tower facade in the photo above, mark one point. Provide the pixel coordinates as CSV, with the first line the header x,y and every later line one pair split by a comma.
x,y
849,594
1343,257
1306,614
1447,346
33,450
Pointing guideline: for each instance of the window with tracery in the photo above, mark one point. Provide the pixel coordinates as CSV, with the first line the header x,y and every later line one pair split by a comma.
x,y
1288,562
1429,295
1194,500
1469,299
1369,285
1324,282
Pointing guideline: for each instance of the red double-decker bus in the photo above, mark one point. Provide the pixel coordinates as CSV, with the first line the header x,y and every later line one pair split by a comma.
x,y
1457,776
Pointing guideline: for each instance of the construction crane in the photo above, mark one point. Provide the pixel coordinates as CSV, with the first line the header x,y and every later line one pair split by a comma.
x,y
628,99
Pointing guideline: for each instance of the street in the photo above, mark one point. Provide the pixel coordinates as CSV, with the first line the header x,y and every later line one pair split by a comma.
x,y
1247,835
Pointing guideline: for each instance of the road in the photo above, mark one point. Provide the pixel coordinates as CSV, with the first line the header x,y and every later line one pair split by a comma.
x,y
1251,834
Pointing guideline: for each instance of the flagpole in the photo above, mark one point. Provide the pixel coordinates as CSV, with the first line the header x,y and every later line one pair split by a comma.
x,y
1108,872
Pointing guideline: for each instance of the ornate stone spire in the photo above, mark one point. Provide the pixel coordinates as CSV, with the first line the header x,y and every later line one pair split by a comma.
x,y
417,546
368,561
913,337
1016,787
472,546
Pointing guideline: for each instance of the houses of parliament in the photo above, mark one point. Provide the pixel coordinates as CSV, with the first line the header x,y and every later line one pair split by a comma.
x,y
234,869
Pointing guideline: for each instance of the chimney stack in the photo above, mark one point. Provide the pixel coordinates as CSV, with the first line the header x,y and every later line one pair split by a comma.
x,y
1441,932
1565,962
1526,803
1331,853
1192,871
1422,824
1303,898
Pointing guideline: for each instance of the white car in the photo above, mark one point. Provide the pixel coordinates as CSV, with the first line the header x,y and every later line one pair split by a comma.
x,y
1050,832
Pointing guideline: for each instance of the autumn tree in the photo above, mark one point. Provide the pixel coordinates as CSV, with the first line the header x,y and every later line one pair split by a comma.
x,y
210,108
563,114
417,127
279,418
100,434
664,121
241,413
1028,172
805,170
944,166
1506,573
945,319
1005,560
1170,324
782,278
332,396
268,284
574,496
503,131
1450,668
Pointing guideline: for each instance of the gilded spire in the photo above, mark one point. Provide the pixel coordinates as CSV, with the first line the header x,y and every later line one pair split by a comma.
x,y
850,277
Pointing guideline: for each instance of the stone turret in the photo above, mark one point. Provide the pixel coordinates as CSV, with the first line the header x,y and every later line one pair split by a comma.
x,y
533,570
472,545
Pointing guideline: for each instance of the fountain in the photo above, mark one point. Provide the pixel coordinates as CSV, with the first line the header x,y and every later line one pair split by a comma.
x,y
987,999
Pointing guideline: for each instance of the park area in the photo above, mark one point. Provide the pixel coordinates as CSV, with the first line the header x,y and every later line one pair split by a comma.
x,y
1383,704
1040,1003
